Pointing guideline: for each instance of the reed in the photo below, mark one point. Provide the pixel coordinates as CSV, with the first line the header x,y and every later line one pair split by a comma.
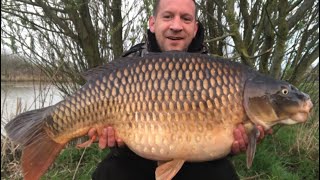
x,y
10,152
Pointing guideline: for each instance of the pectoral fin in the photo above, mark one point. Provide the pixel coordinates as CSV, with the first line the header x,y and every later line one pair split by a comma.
x,y
253,135
167,170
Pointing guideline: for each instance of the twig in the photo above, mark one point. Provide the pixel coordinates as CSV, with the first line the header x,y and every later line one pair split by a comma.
x,y
253,177
267,51
218,38
74,175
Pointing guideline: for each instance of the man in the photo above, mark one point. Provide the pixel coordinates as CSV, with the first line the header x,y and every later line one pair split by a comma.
x,y
173,26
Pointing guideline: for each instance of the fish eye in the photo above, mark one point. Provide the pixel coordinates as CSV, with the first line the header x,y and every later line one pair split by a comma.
x,y
285,91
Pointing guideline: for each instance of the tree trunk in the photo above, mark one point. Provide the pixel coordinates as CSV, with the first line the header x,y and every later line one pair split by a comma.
x,y
116,29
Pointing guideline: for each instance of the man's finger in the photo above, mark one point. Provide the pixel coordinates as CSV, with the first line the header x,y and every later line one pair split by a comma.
x,y
103,138
239,139
242,145
92,132
235,149
261,133
120,142
244,136
270,131
237,134
111,137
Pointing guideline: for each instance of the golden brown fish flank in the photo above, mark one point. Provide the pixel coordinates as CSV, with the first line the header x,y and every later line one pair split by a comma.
x,y
172,84
169,106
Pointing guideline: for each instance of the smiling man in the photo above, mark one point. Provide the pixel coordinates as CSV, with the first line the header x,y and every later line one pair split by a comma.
x,y
173,26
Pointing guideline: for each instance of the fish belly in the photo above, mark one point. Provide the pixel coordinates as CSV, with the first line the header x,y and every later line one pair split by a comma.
x,y
193,139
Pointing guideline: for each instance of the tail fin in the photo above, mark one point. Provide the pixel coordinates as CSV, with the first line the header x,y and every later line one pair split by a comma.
x,y
39,150
24,128
38,156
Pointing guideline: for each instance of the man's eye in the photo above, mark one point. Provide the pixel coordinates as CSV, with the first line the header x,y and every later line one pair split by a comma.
x,y
187,19
167,17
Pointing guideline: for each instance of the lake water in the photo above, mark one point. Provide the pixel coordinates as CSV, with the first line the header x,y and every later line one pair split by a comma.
x,y
17,97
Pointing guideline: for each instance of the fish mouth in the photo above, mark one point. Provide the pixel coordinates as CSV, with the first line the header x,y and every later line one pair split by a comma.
x,y
303,114
300,114
300,117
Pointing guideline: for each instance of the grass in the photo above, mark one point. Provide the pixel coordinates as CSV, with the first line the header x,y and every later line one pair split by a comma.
x,y
76,163
72,163
278,158
10,160
292,153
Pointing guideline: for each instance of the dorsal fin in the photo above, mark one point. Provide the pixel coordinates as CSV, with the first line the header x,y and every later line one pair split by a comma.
x,y
94,72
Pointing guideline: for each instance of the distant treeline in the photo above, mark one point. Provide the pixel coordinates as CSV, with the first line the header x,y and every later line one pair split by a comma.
x,y
16,68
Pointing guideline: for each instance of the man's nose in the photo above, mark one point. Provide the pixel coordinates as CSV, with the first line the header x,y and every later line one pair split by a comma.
x,y
176,24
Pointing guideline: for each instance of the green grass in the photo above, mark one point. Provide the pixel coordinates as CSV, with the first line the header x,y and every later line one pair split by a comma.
x,y
279,157
75,163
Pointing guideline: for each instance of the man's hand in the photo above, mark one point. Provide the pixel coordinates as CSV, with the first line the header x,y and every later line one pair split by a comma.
x,y
107,137
241,139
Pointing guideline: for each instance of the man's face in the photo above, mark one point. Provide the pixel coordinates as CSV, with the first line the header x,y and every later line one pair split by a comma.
x,y
174,24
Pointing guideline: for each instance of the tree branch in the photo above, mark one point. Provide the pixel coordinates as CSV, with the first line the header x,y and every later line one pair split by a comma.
x,y
47,10
299,14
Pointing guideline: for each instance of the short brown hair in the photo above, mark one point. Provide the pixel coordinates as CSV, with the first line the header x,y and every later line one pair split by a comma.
x,y
156,6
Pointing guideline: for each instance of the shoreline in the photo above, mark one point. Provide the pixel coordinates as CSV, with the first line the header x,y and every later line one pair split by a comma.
x,y
23,79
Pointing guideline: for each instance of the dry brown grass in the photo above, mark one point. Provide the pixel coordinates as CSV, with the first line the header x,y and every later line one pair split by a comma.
x,y
10,152
10,160
307,140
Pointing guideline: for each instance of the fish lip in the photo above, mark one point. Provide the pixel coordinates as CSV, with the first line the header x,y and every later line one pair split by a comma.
x,y
303,114
308,105
300,116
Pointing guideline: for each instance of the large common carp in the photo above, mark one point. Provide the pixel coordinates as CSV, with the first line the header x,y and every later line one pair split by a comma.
x,y
171,107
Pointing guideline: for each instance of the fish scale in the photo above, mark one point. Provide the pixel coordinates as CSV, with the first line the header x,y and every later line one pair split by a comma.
x,y
171,106
160,98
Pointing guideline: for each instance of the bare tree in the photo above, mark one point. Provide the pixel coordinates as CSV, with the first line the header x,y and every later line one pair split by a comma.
x,y
65,38
278,37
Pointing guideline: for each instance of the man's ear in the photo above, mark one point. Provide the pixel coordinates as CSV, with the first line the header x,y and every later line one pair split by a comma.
x,y
151,23
195,29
